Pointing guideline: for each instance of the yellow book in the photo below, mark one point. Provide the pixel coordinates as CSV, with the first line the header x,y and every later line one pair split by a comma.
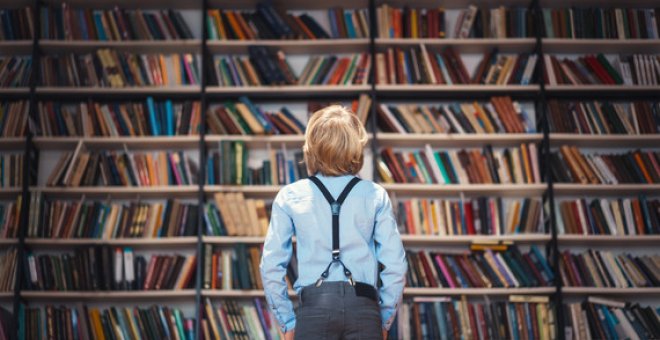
x,y
488,127
97,327
250,119
176,62
222,34
151,171
163,69
413,23
470,112
525,159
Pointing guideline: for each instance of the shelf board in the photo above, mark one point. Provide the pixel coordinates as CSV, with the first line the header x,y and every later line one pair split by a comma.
x,y
574,239
140,143
307,46
8,241
517,45
478,291
6,295
288,4
12,143
288,90
16,47
252,190
653,291
455,140
129,4
120,192
142,90
589,89
109,295
467,189
607,141
133,46
558,45
431,89
10,193
259,141
231,240
14,90
163,242
568,189
237,293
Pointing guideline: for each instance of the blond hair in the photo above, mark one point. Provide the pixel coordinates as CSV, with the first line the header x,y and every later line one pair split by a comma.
x,y
334,142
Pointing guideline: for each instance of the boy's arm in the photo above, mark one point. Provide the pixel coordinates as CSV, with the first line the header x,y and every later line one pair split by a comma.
x,y
390,253
274,261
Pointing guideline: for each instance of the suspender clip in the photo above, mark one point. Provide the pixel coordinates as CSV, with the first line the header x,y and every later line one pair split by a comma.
x,y
335,208
335,254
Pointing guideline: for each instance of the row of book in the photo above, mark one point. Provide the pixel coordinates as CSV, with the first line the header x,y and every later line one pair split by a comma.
x,y
117,168
499,115
236,319
8,267
266,23
417,65
7,324
111,220
15,71
604,117
236,215
110,68
16,23
229,166
66,23
105,268
232,268
503,267
569,165
636,69
99,119
594,268
14,118
444,318
601,23
409,22
499,22
9,218
245,118
86,322
477,216
600,318
615,216
512,165
11,170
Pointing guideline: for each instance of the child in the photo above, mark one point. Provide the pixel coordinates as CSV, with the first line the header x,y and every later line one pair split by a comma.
x,y
341,238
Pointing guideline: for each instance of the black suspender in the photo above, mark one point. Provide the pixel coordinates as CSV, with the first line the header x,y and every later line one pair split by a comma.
x,y
335,206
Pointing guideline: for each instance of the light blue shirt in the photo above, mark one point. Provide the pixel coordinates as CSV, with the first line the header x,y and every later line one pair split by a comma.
x,y
367,235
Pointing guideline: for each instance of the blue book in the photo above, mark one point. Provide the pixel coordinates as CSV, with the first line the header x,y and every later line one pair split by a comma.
x,y
440,315
45,22
513,321
210,175
179,322
646,214
285,111
333,23
262,319
169,118
164,322
407,67
152,117
350,29
83,24
528,320
457,270
261,117
98,21
292,171
542,261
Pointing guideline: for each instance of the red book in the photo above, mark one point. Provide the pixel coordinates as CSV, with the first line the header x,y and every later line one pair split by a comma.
x,y
602,73
576,213
423,258
473,322
469,218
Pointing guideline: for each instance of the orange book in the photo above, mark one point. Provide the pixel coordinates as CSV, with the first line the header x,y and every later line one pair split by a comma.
x,y
573,166
526,163
339,72
586,168
642,167
637,215
249,34
235,25
425,209
310,35
396,23
163,69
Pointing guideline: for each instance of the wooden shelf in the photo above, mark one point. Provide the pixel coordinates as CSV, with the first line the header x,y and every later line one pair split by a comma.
x,y
16,47
258,141
237,293
10,193
557,45
231,240
8,241
605,141
506,45
290,91
455,140
252,190
162,242
635,240
590,89
132,143
289,4
12,143
478,291
109,295
129,4
467,189
120,192
653,291
142,90
435,88
14,91
567,189
318,46
133,46
6,295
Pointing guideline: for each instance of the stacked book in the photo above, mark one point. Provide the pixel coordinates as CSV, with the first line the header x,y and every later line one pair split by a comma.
x,y
266,67
268,23
477,216
600,318
9,218
444,318
105,268
235,215
229,166
503,267
601,23
111,220
603,269
84,322
66,23
17,23
110,68
8,263
513,165
636,69
232,268
418,65
603,117
15,71
245,118
499,115
622,216
11,170
569,165
113,168
239,319
14,118
133,119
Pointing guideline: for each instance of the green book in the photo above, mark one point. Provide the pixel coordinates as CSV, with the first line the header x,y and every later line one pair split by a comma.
x,y
443,170
608,67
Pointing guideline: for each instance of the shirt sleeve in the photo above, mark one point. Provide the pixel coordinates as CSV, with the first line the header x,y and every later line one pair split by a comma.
x,y
276,255
391,254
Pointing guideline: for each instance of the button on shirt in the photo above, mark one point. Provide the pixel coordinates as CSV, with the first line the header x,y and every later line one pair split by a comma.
x,y
367,235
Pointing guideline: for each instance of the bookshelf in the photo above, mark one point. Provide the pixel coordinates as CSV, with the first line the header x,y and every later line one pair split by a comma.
x,y
209,95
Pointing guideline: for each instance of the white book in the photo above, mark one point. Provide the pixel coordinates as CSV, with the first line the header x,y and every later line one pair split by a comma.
x,y
596,169
119,270
456,164
427,64
627,213
442,219
561,229
428,151
628,332
615,205
533,153
129,269
582,218
604,206
453,120
529,69
468,21
620,30
608,173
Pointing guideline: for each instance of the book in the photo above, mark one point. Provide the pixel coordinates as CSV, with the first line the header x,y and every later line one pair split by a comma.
x,y
15,71
603,117
605,269
14,118
636,69
11,170
238,319
600,23
8,268
10,217
596,317
17,23
232,214
229,268
409,22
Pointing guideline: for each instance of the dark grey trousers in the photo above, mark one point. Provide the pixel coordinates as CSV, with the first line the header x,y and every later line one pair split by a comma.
x,y
332,311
